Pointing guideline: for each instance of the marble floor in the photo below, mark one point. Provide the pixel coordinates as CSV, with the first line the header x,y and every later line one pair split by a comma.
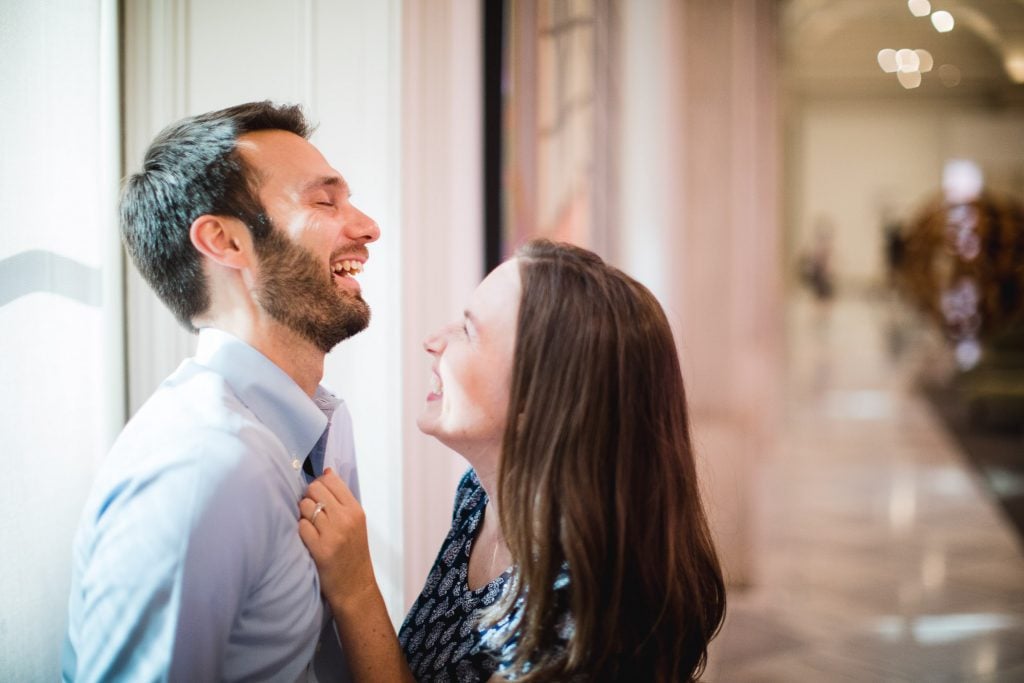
x,y
880,555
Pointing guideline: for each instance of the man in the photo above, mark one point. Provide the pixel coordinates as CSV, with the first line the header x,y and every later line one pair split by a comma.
x,y
187,564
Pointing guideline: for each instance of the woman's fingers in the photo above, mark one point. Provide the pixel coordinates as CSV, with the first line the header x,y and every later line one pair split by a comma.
x,y
311,510
329,489
335,533
310,536
333,483
336,527
321,494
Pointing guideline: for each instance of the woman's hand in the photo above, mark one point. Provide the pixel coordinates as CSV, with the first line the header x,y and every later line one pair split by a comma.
x,y
333,527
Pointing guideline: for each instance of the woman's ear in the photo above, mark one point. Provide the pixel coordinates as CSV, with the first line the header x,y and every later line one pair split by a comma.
x,y
224,240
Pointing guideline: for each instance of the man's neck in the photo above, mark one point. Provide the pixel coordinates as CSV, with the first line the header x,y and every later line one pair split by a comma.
x,y
298,357
294,354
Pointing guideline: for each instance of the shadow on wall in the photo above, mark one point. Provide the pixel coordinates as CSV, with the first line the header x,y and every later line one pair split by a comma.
x,y
44,271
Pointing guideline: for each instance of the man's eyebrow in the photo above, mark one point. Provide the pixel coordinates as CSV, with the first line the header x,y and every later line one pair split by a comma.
x,y
324,181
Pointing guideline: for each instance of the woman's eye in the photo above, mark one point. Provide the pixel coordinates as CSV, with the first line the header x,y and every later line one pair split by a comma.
x,y
325,203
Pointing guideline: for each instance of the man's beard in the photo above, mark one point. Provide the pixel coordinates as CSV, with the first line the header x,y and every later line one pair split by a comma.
x,y
294,289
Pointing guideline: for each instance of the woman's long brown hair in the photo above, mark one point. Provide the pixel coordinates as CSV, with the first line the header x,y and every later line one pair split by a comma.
x,y
597,471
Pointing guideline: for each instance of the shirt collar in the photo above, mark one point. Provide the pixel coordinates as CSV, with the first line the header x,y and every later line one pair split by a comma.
x,y
267,390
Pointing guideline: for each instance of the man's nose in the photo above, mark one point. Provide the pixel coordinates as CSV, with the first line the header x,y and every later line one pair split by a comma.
x,y
361,227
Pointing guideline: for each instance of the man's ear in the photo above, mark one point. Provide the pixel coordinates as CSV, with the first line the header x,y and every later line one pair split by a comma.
x,y
224,240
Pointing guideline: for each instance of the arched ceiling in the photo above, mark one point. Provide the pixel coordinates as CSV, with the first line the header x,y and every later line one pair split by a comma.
x,y
830,47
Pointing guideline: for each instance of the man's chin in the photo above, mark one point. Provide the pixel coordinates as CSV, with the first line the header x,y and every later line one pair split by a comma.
x,y
329,336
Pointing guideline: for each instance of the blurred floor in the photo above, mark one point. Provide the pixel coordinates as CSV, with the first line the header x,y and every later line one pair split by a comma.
x,y
880,555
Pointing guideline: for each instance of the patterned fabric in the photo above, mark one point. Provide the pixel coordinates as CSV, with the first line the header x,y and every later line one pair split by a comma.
x,y
440,637
503,637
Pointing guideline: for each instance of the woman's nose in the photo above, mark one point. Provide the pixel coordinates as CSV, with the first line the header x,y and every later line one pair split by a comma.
x,y
434,343
438,341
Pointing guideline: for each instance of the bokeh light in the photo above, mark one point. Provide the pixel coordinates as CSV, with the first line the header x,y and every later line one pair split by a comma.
x,y
907,60
925,59
887,60
943,21
909,79
919,8
949,75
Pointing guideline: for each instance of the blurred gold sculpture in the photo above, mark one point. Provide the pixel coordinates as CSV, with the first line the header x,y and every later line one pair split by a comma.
x,y
962,262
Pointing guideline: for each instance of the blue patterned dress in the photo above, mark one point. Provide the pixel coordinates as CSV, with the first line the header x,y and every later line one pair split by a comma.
x,y
440,636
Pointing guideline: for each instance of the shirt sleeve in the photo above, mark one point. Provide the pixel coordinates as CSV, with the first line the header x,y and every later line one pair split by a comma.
x,y
170,561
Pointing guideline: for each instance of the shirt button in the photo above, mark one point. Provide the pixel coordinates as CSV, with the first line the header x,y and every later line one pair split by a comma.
x,y
296,464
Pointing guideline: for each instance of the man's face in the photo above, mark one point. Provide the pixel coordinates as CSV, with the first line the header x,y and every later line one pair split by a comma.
x,y
307,266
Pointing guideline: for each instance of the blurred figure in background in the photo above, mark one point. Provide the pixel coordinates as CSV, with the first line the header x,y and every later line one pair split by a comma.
x,y
892,233
816,263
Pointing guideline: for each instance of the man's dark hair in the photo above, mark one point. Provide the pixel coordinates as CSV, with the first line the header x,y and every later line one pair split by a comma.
x,y
193,168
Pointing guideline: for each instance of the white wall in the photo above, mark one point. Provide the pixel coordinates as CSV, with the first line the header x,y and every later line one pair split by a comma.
x,y
855,159
60,306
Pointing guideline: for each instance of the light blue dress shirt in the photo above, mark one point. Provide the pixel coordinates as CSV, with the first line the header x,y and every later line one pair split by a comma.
x,y
187,563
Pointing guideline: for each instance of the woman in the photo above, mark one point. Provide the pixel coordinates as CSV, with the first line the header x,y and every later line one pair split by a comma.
x,y
579,548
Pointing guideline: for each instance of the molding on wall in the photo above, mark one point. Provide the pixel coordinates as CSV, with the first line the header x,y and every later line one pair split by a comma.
x,y
113,276
155,94
307,44
442,240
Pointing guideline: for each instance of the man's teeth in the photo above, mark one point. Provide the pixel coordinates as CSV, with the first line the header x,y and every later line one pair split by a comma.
x,y
347,267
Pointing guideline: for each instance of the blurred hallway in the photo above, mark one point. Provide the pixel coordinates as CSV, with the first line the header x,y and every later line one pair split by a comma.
x,y
881,557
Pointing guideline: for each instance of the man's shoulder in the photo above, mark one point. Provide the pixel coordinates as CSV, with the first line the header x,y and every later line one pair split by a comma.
x,y
195,421
193,407
202,394
190,448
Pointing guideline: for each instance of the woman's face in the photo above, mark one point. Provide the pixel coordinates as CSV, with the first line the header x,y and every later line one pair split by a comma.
x,y
466,407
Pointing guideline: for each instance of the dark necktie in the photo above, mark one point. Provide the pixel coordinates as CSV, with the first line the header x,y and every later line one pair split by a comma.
x,y
313,467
